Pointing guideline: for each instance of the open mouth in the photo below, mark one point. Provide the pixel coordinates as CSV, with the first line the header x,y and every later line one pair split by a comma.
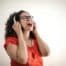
x,y
29,24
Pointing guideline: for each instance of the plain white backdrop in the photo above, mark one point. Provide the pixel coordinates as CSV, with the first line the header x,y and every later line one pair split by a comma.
x,y
50,17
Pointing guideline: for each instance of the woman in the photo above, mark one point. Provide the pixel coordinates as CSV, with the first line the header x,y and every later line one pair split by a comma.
x,y
22,41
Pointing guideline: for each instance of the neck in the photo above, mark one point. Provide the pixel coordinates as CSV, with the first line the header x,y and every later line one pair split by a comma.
x,y
26,35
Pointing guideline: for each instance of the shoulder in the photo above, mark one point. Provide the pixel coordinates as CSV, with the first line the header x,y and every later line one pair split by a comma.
x,y
10,40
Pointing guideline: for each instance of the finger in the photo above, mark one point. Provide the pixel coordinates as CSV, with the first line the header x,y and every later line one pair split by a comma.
x,y
34,23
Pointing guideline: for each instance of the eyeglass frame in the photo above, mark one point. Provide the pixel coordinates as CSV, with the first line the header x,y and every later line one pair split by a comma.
x,y
26,17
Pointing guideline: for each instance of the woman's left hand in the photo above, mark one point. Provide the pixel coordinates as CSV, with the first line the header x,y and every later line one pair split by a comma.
x,y
34,28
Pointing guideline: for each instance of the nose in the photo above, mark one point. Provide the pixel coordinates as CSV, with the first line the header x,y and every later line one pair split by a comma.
x,y
29,20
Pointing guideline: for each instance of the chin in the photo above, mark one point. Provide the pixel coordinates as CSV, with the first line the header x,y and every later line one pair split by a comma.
x,y
29,29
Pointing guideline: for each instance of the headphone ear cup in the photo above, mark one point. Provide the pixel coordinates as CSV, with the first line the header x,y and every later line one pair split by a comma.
x,y
14,19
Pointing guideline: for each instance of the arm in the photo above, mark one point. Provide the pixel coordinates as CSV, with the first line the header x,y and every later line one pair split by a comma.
x,y
22,49
18,53
43,47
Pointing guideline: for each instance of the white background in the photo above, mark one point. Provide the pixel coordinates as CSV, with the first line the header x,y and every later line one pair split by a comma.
x,y
51,24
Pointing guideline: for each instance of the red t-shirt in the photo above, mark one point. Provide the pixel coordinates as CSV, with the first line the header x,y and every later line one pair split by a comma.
x,y
34,55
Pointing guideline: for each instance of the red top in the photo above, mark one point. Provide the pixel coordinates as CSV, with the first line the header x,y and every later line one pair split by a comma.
x,y
34,55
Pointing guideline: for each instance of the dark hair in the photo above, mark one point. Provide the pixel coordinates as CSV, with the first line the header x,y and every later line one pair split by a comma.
x,y
9,30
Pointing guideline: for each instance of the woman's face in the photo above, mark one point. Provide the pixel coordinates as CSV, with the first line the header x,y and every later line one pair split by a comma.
x,y
26,21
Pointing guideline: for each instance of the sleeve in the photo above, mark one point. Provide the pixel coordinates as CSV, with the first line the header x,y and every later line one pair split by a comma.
x,y
12,40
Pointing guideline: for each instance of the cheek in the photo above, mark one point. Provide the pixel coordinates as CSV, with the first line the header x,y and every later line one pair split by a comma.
x,y
23,24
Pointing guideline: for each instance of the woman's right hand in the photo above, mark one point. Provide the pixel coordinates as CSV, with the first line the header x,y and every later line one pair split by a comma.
x,y
17,27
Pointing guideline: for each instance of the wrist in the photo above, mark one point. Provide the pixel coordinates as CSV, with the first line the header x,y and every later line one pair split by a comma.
x,y
36,34
19,34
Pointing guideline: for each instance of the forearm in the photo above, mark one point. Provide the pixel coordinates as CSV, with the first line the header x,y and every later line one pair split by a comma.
x,y
22,49
43,47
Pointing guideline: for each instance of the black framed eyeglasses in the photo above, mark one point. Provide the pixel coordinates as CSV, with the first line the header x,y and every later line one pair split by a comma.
x,y
26,17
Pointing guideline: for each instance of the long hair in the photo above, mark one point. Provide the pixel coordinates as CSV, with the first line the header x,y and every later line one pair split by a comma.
x,y
9,30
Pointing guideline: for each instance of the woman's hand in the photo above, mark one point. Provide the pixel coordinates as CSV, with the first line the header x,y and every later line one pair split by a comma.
x,y
34,30
17,27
